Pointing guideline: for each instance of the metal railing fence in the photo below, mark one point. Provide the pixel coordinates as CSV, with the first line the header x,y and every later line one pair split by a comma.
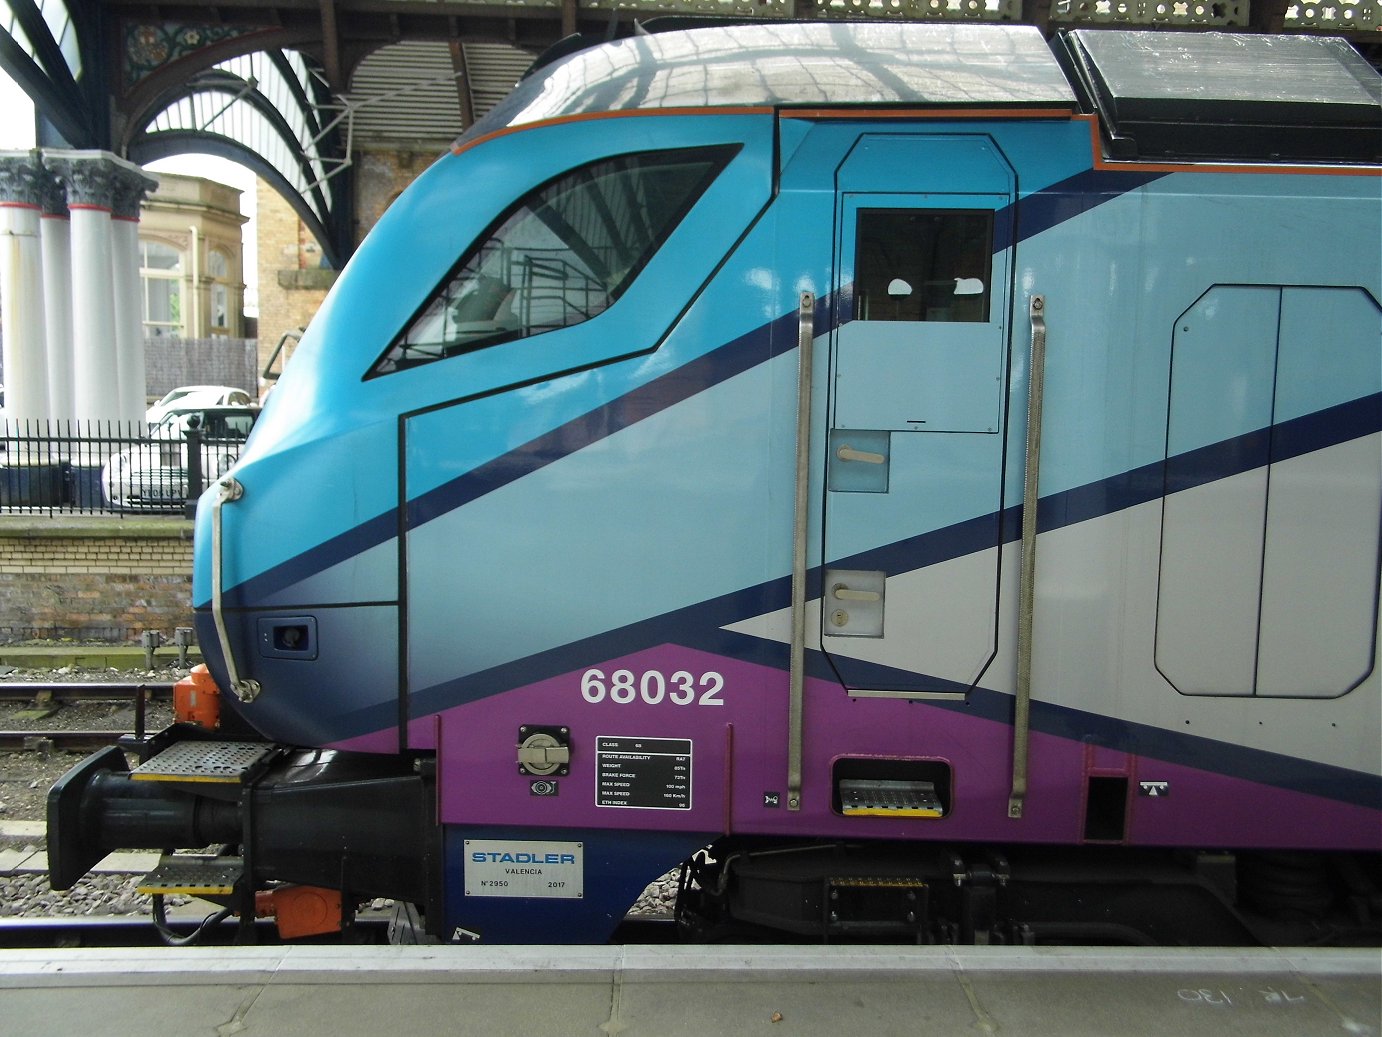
x,y
115,467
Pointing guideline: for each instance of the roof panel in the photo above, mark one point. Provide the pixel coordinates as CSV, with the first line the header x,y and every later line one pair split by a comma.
x,y
1148,70
1229,96
796,64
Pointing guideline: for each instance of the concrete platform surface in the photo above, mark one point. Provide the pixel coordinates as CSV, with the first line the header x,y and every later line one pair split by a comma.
x,y
706,991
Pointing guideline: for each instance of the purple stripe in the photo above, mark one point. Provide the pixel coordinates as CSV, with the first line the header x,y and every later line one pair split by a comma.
x,y
739,755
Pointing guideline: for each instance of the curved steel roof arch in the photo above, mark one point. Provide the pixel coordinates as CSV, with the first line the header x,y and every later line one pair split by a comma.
x,y
263,109
45,50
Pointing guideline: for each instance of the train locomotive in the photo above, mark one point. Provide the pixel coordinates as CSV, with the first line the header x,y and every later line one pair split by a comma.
x,y
924,480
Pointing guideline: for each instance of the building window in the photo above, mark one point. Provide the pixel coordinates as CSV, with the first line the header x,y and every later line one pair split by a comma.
x,y
218,267
220,307
161,275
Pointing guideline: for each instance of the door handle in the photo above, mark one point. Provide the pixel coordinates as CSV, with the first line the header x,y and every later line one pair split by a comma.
x,y
843,593
1026,578
796,660
848,453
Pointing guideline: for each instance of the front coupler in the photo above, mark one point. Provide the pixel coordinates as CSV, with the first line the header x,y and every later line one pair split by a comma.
x,y
359,823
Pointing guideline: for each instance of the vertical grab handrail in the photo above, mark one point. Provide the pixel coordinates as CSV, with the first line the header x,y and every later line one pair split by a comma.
x,y
1026,596
227,490
806,333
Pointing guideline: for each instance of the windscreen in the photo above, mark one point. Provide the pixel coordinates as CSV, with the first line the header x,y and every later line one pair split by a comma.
x,y
560,256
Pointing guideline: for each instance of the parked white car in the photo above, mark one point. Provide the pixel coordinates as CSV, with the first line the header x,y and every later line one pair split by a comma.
x,y
192,397
152,476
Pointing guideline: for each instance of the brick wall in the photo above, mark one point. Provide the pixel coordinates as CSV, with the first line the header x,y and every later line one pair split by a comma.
x,y
380,177
94,578
285,247
292,283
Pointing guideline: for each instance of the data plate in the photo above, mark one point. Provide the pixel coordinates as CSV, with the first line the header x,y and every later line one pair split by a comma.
x,y
520,868
647,773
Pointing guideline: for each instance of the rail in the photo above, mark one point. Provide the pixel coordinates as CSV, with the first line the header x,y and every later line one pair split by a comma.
x,y
45,693
82,691
369,926
796,693
1026,606
47,741
136,931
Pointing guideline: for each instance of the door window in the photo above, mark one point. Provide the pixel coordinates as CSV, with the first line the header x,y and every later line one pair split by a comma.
x,y
923,265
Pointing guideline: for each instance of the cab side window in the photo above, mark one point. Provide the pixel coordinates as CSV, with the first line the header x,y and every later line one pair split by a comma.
x,y
923,265
559,256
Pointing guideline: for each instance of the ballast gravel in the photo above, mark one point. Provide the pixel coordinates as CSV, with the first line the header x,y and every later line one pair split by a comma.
x,y
25,778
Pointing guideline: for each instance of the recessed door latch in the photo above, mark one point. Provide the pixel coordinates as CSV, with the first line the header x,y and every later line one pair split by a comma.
x,y
543,750
853,603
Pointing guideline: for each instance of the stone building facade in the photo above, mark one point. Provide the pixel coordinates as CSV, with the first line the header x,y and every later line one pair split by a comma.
x,y
192,256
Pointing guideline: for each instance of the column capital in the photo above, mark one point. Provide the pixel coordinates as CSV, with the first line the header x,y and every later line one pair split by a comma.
x,y
131,186
22,178
54,197
99,178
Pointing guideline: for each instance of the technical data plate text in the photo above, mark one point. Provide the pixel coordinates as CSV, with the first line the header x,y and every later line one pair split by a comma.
x,y
644,773
519,868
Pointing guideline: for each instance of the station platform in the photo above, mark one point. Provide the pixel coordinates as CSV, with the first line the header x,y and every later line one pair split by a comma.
x,y
631,991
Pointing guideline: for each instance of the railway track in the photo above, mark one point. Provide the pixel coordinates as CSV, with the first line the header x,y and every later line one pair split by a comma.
x,y
44,694
47,741
82,691
128,931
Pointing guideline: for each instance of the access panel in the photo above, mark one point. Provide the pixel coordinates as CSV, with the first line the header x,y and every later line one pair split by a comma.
x,y
1270,526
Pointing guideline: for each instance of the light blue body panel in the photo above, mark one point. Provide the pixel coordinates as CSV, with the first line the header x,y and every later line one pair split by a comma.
x,y
1117,278
611,545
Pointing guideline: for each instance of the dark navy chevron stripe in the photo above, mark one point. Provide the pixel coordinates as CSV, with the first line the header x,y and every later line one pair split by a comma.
x,y
1035,213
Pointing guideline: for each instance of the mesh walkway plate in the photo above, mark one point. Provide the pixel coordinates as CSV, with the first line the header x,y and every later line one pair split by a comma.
x,y
202,761
860,798
194,875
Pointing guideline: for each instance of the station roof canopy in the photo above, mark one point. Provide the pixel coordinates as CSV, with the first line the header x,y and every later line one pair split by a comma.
x,y
296,88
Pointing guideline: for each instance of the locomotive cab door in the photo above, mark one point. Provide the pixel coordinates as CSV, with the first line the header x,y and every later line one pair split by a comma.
x,y
914,462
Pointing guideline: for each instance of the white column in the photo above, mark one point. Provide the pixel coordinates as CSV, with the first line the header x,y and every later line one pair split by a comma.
x,y
55,231
21,287
90,182
129,310
96,374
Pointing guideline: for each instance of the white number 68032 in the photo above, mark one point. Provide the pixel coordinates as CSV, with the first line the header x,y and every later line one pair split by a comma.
x,y
682,688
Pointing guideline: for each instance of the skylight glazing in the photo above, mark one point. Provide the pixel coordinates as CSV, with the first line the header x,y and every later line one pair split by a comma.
x,y
59,22
263,102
